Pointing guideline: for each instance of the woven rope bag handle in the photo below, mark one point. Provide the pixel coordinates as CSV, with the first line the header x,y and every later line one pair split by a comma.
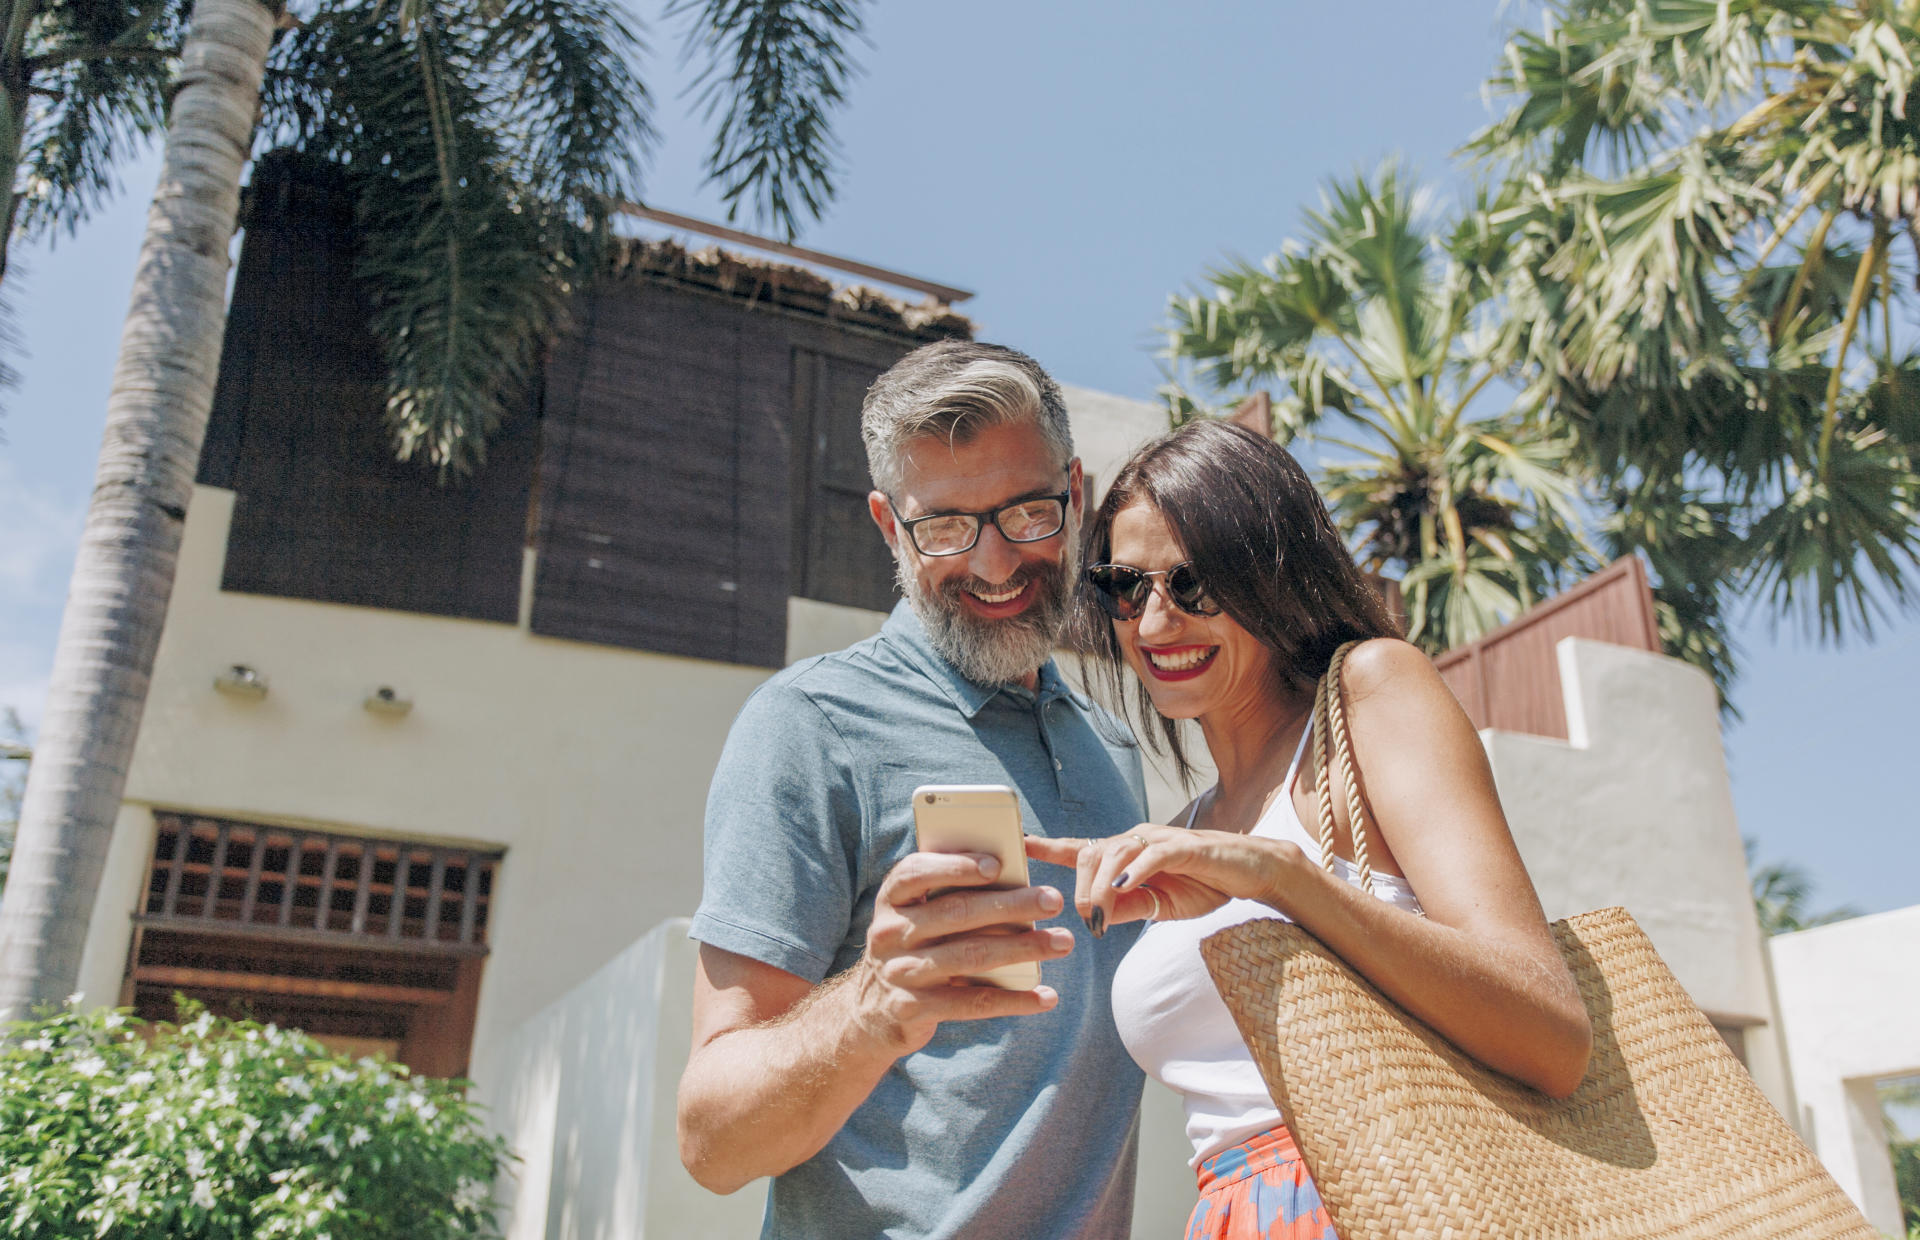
x,y
1330,720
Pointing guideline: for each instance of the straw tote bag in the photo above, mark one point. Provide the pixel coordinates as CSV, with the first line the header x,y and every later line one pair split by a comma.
x,y
1667,1137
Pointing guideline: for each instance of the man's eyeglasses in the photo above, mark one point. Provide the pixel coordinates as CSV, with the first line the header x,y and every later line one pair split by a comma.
x,y
1122,592
951,533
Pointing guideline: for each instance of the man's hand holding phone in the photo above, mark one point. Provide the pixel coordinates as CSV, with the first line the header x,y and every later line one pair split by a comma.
x,y
950,938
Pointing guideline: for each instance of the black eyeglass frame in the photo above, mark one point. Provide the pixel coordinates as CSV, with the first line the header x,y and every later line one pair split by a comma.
x,y
980,519
1195,601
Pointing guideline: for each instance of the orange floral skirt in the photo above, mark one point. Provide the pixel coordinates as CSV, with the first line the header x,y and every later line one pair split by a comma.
x,y
1259,1190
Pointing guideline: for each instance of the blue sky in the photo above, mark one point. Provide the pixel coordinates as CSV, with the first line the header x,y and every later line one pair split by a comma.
x,y
1073,161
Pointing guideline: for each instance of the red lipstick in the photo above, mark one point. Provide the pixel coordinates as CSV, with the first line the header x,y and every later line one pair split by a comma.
x,y
1185,673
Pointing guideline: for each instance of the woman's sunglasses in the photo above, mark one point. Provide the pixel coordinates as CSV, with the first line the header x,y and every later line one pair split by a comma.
x,y
1122,592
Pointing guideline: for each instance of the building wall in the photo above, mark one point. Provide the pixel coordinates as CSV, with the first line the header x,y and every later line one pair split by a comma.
x,y
1635,809
574,758
586,1099
1849,996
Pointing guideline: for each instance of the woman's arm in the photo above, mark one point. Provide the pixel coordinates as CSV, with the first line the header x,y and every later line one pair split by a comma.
x,y
1481,967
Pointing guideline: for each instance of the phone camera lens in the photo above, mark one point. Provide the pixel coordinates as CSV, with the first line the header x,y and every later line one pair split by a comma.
x,y
931,798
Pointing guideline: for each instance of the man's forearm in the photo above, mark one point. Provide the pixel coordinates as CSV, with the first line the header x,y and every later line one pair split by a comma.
x,y
763,1099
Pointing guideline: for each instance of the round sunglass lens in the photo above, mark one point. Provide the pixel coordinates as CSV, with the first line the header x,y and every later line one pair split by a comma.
x,y
1187,590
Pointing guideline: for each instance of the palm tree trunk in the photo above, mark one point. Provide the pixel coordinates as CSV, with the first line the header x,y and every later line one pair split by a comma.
x,y
156,418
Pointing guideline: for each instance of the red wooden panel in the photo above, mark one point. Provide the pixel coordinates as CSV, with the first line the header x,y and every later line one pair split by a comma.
x,y
1510,679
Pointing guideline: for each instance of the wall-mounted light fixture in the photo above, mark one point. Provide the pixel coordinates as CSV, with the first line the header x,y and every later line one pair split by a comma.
x,y
241,681
386,701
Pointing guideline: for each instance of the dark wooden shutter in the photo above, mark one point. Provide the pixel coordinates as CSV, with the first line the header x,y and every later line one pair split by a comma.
x,y
663,508
839,555
322,510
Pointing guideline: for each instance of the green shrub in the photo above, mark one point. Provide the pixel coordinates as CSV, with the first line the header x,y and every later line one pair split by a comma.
x,y
1906,1174
217,1130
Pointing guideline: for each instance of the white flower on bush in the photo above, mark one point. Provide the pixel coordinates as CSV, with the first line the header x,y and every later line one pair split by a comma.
x,y
470,1194
297,1128
358,1137
203,1194
91,1066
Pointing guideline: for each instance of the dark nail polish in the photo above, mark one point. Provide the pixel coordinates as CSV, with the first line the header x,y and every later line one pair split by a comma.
x,y
1098,922
1121,881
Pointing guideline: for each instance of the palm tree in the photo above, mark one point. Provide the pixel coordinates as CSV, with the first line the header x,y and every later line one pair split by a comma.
x,y
484,146
1782,891
82,84
1718,231
1382,328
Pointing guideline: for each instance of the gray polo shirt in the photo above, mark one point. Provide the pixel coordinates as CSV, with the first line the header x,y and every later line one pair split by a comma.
x,y
1020,1126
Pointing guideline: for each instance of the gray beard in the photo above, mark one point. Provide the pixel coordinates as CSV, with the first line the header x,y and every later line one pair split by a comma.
x,y
993,652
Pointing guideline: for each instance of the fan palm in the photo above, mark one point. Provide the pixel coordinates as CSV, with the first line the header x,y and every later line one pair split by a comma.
x,y
1380,326
1718,235
483,145
1782,892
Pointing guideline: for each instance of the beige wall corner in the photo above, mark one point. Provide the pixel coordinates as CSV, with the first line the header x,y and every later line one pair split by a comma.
x,y
1164,1189
1636,809
815,628
1106,430
123,884
1849,998
585,1098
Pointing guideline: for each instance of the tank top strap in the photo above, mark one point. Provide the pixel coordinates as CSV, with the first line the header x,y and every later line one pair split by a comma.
x,y
1299,751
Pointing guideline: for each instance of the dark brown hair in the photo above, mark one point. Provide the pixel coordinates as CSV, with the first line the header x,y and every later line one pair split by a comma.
x,y
1259,536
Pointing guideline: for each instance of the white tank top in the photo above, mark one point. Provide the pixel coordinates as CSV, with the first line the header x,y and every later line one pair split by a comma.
x,y
1173,1021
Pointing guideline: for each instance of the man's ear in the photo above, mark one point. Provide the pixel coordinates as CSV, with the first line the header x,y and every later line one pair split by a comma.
x,y
1077,483
882,513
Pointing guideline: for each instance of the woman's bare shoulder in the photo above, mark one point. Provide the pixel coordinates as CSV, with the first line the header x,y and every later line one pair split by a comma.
x,y
1387,665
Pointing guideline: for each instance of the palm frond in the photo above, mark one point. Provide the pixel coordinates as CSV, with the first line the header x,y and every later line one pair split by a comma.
x,y
570,87
481,149
1782,891
774,71
100,71
1838,548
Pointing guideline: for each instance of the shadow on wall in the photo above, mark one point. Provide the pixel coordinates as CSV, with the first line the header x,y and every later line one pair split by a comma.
x,y
586,1102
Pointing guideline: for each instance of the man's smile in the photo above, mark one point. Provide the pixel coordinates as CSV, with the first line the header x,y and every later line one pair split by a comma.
x,y
999,602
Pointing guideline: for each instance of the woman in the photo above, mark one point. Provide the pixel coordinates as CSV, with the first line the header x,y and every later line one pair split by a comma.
x,y
1222,584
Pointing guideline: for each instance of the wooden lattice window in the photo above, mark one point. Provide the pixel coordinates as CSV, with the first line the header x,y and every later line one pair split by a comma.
x,y
339,887
370,945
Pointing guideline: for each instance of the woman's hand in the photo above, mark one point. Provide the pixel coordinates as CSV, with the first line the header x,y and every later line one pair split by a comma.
x,y
1188,873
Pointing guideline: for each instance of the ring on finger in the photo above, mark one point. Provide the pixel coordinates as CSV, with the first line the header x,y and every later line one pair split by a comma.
x,y
1135,835
1155,897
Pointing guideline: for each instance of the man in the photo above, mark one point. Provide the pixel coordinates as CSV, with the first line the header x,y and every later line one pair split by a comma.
x,y
832,1048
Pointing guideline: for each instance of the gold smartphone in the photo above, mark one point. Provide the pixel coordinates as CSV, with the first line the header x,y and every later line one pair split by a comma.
x,y
980,818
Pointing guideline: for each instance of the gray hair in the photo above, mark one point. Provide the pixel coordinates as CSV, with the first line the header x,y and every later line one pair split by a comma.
x,y
954,389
